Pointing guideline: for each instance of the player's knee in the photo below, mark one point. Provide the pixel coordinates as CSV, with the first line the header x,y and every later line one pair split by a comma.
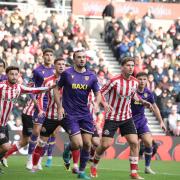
x,y
95,142
42,143
6,147
148,144
36,132
77,145
24,143
105,145
134,144
87,145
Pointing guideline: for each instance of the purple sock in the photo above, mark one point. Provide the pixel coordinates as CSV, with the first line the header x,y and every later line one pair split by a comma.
x,y
51,146
32,143
148,154
84,157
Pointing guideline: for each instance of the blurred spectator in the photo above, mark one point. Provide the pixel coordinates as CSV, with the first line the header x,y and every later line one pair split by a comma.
x,y
108,13
165,104
49,3
174,121
149,14
139,65
151,84
14,124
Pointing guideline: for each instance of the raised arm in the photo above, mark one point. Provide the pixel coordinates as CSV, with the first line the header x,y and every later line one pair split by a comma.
x,y
142,101
33,90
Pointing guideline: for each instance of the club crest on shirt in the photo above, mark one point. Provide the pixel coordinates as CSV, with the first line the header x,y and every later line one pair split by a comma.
x,y
72,76
86,78
43,72
145,95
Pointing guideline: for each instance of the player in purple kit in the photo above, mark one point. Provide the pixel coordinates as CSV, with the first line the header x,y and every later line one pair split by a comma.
x,y
77,83
141,121
2,68
39,74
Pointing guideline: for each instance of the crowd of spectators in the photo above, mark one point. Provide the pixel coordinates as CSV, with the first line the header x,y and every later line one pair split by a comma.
x,y
156,52
23,38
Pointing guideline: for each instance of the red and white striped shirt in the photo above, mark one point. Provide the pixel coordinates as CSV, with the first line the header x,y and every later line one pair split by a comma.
x,y
91,99
29,108
9,94
120,91
51,112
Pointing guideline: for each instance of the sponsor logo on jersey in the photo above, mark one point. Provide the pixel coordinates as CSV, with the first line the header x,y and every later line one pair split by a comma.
x,y
137,103
79,86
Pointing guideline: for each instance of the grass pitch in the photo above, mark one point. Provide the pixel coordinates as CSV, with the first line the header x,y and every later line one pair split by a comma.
x,y
108,170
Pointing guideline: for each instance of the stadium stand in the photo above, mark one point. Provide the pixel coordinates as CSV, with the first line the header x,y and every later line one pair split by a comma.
x,y
23,35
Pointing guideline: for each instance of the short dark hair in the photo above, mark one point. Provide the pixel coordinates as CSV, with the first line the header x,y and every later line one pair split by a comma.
x,y
127,59
141,74
48,50
2,62
80,50
59,59
11,68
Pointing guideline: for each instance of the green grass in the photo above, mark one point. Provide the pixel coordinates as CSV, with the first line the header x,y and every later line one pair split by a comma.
x,y
108,170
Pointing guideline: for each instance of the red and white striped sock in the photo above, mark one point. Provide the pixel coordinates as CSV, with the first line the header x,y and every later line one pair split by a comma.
x,y
13,149
133,164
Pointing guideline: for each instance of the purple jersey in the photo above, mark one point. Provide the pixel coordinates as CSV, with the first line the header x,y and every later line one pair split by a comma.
x,y
137,108
3,77
39,75
77,87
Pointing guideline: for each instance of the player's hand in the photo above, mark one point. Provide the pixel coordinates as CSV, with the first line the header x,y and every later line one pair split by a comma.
x,y
52,87
96,108
108,108
61,113
148,105
41,114
163,127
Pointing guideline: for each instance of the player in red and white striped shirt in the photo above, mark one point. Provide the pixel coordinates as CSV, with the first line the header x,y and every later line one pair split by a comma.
x,y
27,121
10,90
119,91
51,121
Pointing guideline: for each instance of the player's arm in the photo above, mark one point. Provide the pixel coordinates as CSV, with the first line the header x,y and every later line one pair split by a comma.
x,y
142,101
32,96
33,90
104,90
39,100
158,116
97,100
